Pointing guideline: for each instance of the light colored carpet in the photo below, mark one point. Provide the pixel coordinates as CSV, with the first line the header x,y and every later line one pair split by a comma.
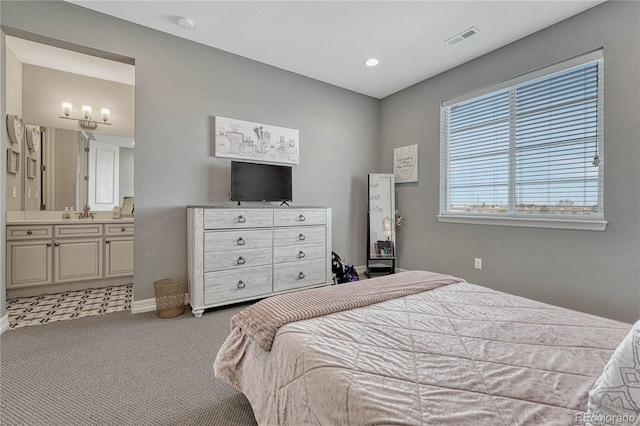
x,y
119,369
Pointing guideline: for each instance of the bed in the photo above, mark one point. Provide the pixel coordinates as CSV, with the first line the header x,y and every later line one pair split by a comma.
x,y
422,348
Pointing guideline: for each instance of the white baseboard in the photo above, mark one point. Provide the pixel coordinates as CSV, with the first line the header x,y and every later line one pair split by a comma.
x,y
145,305
148,305
4,324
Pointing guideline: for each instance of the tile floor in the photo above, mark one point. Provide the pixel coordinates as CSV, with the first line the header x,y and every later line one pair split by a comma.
x,y
37,310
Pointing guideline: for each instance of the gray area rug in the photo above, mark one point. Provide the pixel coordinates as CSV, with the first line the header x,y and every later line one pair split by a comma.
x,y
119,369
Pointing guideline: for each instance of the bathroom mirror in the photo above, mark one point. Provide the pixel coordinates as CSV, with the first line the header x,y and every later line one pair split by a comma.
x,y
84,168
74,162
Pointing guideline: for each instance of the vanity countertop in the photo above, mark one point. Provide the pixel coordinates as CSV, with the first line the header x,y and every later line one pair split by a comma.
x,y
52,217
67,221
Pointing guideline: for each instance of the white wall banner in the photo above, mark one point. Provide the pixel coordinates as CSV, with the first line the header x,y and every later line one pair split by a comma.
x,y
405,164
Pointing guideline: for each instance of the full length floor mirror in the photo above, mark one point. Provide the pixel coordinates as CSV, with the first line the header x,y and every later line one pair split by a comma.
x,y
381,236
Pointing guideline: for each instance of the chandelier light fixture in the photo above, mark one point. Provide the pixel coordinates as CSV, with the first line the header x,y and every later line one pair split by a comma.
x,y
86,122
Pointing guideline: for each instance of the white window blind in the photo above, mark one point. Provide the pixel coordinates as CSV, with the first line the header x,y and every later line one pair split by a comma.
x,y
527,149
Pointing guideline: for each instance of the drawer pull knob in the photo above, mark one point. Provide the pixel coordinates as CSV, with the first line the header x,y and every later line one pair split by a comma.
x,y
48,244
241,219
241,261
301,218
301,254
240,241
301,237
29,232
56,244
241,284
300,276
122,229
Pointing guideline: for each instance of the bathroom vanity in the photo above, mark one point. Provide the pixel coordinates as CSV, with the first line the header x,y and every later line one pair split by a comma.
x,y
46,256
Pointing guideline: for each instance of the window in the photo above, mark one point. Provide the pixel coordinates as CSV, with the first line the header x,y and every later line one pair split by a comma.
x,y
528,151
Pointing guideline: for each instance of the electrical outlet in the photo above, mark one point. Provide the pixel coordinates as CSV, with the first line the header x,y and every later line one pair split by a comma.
x,y
28,193
478,263
15,193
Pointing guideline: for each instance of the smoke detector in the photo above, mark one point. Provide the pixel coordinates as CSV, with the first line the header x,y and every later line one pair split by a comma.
x,y
462,36
186,23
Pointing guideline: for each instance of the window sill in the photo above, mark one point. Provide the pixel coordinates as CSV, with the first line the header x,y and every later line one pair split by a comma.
x,y
581,225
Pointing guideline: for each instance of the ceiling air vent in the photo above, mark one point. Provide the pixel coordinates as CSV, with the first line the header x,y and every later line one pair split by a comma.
x,y
462,36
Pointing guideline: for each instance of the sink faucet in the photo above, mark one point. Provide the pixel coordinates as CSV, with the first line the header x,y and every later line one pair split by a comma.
x,y
85,213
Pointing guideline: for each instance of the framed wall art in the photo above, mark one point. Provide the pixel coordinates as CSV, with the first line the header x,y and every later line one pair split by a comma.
x,y
405,164
245,140
13,161
32,167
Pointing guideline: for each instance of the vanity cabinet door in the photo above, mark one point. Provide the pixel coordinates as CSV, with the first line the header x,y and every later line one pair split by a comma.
x,y
28,263
118,257
77,259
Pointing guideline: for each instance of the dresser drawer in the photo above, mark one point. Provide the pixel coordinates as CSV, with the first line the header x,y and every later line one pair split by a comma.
x,y
288,276
237,218
298,253
299,236
237,259
81,230
227,286
113,230
237,240
297,217
28,232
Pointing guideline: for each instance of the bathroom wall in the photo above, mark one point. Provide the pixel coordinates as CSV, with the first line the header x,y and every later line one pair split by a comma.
x,y
13,96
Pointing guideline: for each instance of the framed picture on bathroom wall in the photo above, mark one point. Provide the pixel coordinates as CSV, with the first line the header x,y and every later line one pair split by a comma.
x,y
32,168
265,143
13,161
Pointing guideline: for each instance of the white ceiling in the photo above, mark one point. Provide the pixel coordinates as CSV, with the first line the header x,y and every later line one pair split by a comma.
x,y
329,40
46,56
325,40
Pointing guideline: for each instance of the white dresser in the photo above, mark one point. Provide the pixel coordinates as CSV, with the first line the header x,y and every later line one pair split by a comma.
x,y
237,254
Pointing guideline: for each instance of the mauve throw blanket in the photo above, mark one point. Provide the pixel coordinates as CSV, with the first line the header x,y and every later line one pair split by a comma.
x,y
459,354
262,320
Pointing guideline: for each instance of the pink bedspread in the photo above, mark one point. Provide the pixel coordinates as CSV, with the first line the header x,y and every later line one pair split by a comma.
x,y
460,354
262,320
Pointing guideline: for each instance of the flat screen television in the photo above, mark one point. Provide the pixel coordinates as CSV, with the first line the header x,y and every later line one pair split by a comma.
x,y
260,182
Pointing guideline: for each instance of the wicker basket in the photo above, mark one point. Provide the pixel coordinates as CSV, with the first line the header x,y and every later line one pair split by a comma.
x,y
170,294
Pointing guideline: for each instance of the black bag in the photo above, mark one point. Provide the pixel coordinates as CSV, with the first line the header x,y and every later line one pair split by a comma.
x,y
343,273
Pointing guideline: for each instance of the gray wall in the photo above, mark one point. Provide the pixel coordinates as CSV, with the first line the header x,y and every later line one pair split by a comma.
x,y
180,87
3,176
597,272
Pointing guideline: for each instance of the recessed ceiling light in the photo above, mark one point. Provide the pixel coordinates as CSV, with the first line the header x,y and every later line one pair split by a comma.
x,y
186,23
371,62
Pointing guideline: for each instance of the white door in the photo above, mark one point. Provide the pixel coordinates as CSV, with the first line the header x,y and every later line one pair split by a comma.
x,y
104,172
